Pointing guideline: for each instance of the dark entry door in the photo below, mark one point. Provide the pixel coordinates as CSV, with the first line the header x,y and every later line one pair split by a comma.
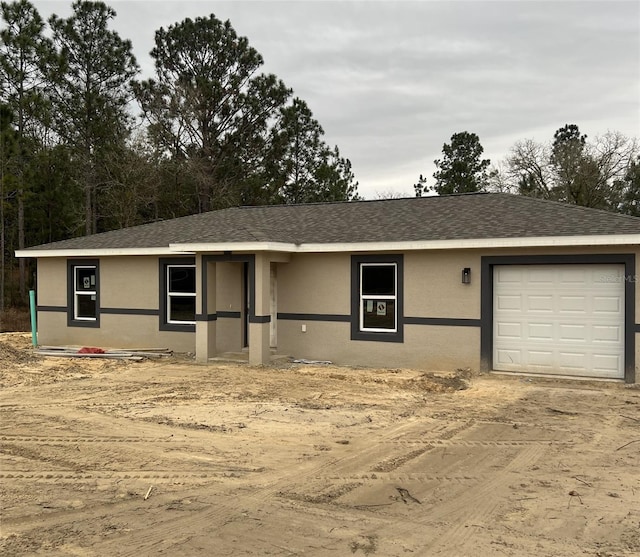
x,y
245,303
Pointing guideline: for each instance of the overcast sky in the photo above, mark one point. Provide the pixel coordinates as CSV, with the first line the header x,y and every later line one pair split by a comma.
x,y
391,81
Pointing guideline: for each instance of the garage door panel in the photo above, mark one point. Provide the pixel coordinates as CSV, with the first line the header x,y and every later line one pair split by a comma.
x,y
572,333
572,360
607,365
573,276
540,358
607,305
572,304
540,303
509,330
505,275
541,275
509,302
560,319
540,331
508,358
612,334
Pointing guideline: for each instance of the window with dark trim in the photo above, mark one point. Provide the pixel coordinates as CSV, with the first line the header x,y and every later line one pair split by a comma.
x,y
83,293
177,295
376,297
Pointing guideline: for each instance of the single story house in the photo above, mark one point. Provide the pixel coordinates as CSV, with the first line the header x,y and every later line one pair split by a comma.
x,y
485,281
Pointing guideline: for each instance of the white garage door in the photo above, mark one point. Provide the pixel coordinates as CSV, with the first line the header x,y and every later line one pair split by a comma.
x,y
559,319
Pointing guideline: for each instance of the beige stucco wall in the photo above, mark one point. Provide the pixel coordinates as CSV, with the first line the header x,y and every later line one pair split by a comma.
x,y
125,283
51,287
132,283
424,347
306,284
433,285
115,331
320,284
315,283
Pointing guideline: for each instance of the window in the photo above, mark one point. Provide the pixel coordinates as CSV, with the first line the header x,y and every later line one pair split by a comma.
x,y
181,294
83,293
376,298
177,294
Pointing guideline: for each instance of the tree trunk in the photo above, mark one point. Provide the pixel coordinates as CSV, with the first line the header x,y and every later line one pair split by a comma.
x,y
2,243
21,262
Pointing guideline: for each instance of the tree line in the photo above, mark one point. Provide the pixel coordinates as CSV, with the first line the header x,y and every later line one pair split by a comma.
x,y
603,173
87,146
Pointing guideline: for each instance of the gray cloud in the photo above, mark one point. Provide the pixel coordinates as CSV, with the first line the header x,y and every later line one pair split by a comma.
x,y
390,82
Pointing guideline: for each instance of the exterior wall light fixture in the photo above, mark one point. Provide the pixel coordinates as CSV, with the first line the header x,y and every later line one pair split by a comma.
x,y
466,275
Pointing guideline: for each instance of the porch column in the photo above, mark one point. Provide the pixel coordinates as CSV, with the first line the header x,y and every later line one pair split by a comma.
x,y
259,351
205,309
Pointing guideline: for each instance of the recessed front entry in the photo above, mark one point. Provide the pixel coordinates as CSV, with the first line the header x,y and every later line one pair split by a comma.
x,y
566,319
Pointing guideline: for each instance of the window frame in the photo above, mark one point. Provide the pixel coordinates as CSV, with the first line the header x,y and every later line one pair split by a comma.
x,y
374,297
166,323
73,294
358,331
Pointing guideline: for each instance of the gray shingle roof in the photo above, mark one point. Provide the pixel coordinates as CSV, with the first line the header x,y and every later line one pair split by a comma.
x,y
467,216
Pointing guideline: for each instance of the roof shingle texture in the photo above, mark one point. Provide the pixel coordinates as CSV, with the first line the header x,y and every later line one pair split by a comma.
x,y
451,217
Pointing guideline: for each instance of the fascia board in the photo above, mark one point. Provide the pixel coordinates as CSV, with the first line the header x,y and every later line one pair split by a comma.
x,y
253,247
250,247
102,252
472,243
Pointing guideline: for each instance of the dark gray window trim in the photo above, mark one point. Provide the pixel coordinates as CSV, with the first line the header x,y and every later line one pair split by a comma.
x,y
486,299
71,321
162,292
356,333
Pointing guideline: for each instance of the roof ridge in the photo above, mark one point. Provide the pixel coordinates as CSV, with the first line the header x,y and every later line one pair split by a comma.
x,y
570,206
358,201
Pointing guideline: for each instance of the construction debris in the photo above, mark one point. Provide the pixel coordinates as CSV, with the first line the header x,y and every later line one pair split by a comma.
x,y
136,354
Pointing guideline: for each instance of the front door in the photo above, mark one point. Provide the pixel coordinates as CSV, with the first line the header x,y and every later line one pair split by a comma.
x,y
245,304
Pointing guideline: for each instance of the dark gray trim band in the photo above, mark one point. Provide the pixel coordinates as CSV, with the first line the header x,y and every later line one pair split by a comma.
x,y
486,298
315,317
259,319
229,315
130,311
54,309
208,317
442,321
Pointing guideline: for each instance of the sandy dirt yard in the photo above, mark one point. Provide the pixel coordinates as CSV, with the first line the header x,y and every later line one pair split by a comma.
x,y
166,457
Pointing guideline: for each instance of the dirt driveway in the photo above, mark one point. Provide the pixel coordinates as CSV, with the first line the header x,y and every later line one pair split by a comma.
x,y
165,457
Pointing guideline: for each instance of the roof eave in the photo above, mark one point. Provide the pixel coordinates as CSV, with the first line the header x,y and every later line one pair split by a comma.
x,y
469,243
254,247
98,252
